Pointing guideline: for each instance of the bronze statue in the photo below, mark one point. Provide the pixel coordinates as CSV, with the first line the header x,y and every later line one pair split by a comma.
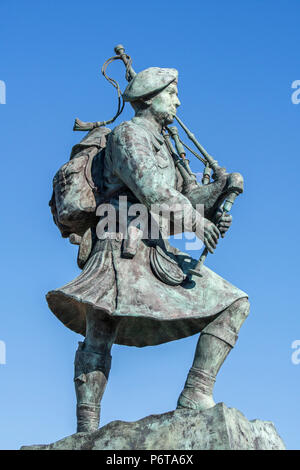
x,y
136,289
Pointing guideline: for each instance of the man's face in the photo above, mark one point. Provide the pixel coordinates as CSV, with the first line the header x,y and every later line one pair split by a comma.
x,y
164,105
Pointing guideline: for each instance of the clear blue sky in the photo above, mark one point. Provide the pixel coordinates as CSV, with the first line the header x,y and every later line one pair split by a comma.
x,y
236,61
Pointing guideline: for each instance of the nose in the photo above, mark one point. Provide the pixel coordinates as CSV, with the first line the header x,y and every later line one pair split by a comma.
x,y
177,102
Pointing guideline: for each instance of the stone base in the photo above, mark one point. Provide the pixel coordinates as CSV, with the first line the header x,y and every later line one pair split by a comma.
x,y
219,428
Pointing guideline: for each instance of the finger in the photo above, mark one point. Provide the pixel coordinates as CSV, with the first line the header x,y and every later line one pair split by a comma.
x,y
210,249
208,245
226,221
223,231
225,215
211,241
212,236
216,231
224,226
219,215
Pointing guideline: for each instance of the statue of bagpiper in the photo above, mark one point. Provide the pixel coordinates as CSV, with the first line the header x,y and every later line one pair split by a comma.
x,y
136,289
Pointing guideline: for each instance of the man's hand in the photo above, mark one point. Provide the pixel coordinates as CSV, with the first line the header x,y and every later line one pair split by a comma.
x,y
209,234
224,222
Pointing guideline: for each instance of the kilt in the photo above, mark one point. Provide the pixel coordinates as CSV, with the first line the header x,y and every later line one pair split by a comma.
x,y
151,311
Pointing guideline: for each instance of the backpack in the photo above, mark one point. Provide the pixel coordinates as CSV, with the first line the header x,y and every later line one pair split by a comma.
x,y
78,185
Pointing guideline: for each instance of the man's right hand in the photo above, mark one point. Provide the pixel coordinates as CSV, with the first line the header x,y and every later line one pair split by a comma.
x,y
209,235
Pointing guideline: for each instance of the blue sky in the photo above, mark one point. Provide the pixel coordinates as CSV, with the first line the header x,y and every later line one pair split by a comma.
x,y
236,61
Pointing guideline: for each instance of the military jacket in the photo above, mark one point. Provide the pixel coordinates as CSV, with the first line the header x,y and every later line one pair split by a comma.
x,y
151,293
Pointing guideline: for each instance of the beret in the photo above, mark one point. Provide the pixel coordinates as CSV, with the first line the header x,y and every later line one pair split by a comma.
x,y
149,81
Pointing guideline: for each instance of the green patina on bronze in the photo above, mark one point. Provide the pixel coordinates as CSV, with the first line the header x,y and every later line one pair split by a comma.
x,y
139,292
219,428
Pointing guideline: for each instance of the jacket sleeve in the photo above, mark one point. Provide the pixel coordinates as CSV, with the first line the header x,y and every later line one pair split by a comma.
x,y
134,162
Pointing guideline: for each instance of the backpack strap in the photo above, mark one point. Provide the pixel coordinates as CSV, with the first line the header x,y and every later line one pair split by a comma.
x,y
91,153
91,145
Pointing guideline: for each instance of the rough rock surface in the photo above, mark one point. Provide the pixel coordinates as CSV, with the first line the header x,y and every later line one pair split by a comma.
x,y
214,429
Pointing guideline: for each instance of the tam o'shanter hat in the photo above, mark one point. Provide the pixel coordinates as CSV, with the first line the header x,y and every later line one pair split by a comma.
x,y
149,81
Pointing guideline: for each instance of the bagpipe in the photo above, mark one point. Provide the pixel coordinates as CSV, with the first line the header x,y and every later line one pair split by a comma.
x,y
234,183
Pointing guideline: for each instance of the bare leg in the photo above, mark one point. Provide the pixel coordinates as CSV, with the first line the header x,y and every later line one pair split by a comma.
x,y
92,366
214,344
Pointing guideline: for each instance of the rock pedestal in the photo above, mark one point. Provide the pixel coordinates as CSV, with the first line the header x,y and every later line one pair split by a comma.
x,y
219,428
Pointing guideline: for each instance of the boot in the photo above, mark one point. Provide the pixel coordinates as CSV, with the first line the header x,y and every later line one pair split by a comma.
x,y
197,394
91,374
198,391
215,342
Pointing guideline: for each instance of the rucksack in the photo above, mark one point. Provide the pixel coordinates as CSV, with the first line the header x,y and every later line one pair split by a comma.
x,y
78,185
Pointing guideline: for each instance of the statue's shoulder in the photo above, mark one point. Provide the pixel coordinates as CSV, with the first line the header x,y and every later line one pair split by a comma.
x,y
128,131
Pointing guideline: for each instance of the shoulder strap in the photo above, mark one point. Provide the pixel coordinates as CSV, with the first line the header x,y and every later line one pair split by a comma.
x,y
91,145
